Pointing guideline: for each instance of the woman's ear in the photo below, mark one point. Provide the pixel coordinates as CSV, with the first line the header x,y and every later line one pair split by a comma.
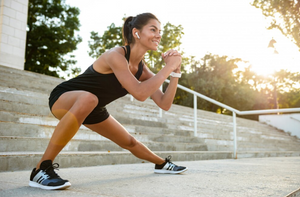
x,y
135,33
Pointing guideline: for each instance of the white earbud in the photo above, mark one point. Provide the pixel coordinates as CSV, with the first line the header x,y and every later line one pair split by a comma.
x,y
137,35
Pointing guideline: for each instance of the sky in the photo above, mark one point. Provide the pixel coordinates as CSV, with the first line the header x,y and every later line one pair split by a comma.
x,y
221,27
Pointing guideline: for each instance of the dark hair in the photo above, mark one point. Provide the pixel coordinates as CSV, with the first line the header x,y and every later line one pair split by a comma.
x,y
137,22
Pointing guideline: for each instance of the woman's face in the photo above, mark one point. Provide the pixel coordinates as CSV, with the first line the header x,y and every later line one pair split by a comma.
x,y
150,35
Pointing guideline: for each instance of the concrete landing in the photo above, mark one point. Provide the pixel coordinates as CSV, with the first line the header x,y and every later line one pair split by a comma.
x,y
243,177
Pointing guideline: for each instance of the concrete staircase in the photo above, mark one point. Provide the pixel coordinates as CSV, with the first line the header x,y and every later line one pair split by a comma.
x,y
26,124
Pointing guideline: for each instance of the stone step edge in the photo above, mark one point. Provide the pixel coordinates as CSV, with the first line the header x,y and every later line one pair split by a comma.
x,y
26,161
128,127
5,154
95,153
102,140
11,160
259,154
203,141
240,154
14,71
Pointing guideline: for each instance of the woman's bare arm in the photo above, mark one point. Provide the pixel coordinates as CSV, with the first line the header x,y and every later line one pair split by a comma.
x,y
139,90
162,99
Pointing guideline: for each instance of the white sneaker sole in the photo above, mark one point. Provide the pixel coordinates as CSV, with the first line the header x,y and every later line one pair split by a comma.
x,y
35,184
169,171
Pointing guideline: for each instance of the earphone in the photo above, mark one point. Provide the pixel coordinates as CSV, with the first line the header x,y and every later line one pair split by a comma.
x,y
137,35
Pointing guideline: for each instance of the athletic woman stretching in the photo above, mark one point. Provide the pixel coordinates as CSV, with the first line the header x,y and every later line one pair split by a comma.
x,y
115,73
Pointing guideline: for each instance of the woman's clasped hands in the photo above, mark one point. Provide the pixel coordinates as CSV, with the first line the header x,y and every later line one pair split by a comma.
x,y
172,58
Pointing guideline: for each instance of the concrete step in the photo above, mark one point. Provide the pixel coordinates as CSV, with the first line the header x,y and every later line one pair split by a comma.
x,y
13,143
37,110
185,112
15,161
258,142
41,131
140,129
15,74
24,96
132,109
24,81
12,161
35,130
8,116
226,145
259,154
215,147
250,138
37,87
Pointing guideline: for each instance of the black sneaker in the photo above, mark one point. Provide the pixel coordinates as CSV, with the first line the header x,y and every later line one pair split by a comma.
x,y
46,178
169,168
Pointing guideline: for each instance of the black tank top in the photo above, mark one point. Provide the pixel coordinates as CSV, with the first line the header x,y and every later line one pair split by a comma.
x,y
105,86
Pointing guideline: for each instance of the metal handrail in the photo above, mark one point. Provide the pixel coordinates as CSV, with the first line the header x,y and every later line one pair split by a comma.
x,y
234,112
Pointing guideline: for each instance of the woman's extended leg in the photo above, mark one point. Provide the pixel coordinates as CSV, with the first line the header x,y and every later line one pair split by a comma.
x,y
71,109
113,130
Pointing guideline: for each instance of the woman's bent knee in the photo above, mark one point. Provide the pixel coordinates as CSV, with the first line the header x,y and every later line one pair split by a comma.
x,y
84,105
88,99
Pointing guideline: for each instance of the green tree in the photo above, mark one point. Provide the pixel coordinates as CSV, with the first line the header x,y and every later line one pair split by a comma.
x,y
290,99
218,78
284,15
215,78
112,37
51,36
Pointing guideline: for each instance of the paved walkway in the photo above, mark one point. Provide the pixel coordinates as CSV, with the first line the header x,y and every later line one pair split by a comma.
x,y
243,177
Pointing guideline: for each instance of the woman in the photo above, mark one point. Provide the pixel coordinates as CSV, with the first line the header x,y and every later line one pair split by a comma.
x,y
115,73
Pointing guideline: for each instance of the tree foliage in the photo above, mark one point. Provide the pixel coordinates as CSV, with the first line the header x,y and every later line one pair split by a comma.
x,y
220,79
51,36
110,38
284,15
214,77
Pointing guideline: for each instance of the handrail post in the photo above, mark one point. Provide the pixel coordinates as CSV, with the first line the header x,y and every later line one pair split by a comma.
x,y
160,110
234,136
195,115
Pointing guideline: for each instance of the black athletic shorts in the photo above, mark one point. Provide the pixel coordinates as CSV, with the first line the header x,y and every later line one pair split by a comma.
x,y
99,114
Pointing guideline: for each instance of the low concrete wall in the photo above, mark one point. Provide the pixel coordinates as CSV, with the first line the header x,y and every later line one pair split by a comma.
x,y
287,122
